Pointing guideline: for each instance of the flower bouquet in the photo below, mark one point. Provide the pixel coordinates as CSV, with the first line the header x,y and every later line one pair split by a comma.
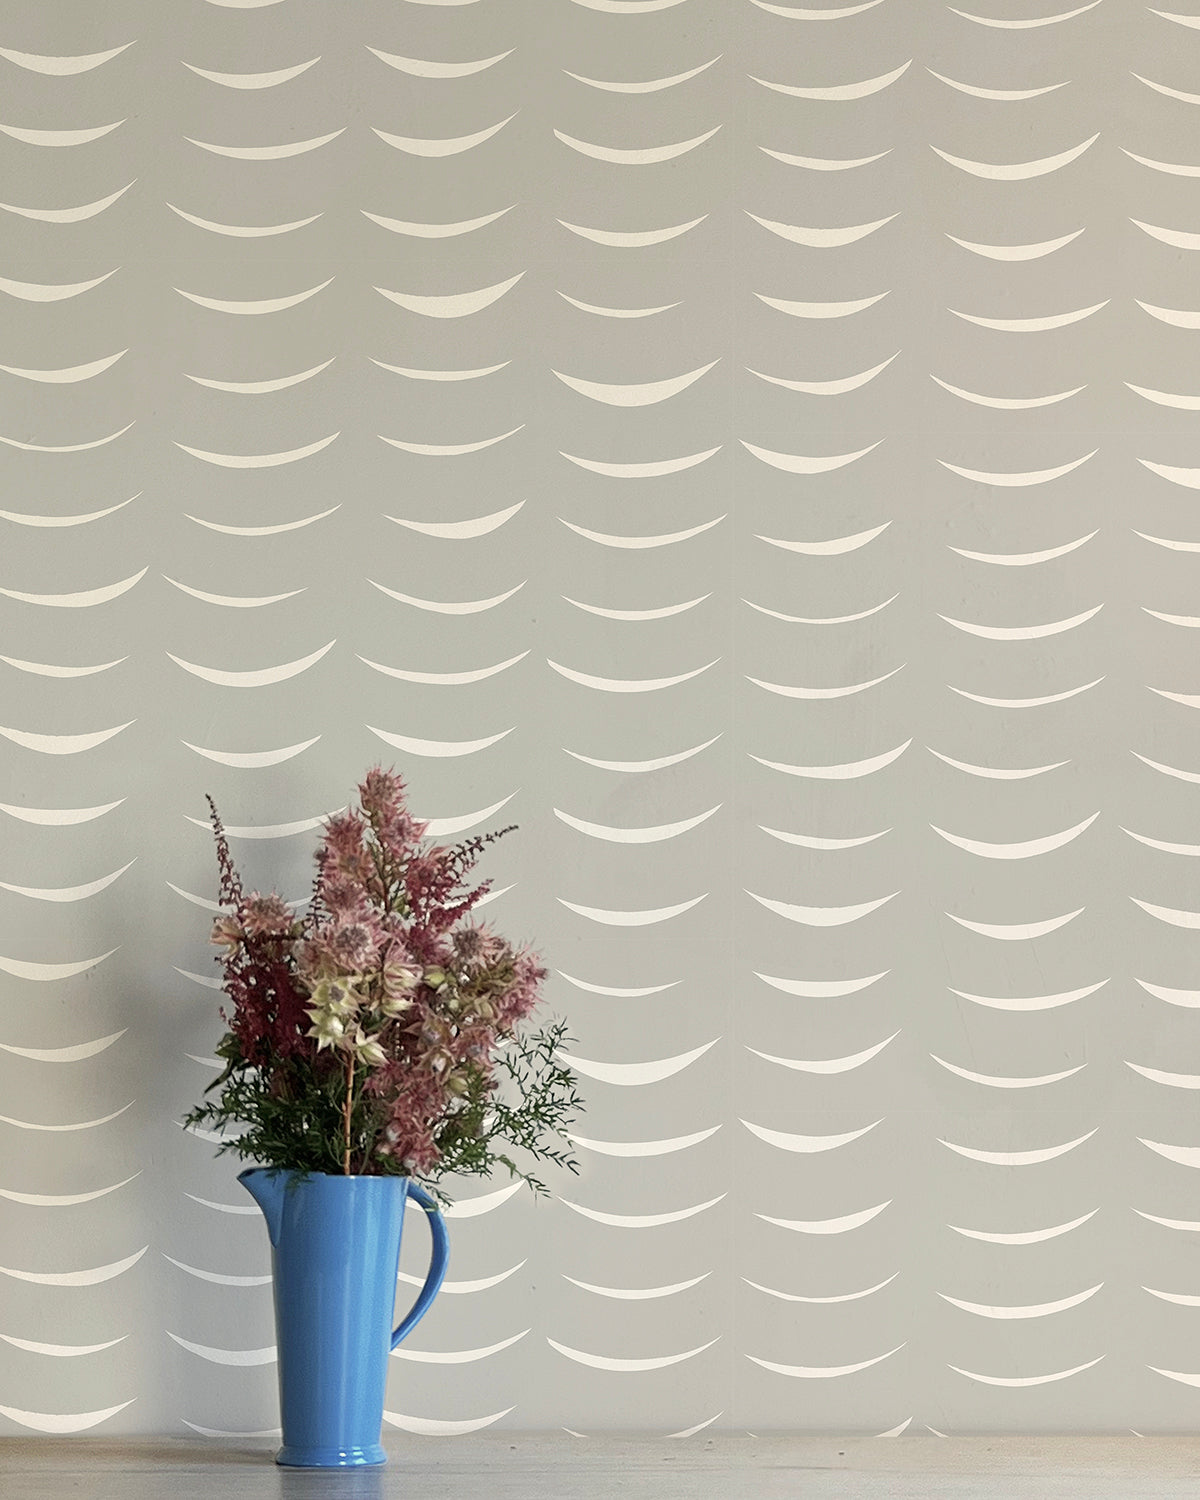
x,y
366,1037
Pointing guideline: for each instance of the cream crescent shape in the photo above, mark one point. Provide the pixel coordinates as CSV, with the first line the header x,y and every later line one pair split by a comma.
x,y
59,137
799,13
243,1357
1185,1156
839,91
1027,25
1170,915
628,685
445,679
67,893
456,1356
457,607
1025,1237
825,163
822,916
45,669
258,307
254,80
61,67
1165,398
840,1225
36,291
1032,325
635,614
655,764
1192,776
624,7
827,387
1026,1380
828,1065
440,374
1016,931
61,1422
820,309
216,1277
1161,88
1172,169
809,1144
257,677
1026,702
995,773
264,530
652,470
653,86
267,153
1009,403
604,1362
1023,632
59,817
474,1207
1029,477
1019,171
844,771
637,1294
844,1297
71,1054
260,460
462,1288
641,1221
243,231
68,215
1179,238
999,94
821,989
822,1372
66,447
1174,317
93,1276
608,989
440,827
821,620
1190,849
1017,252
71,374
647,835
1030,1002
631,239
811,841
455,305
436,231
664,539
822,239
1172,1080
643,1148
62,744
418,67
640,918
446,146
1018,1158
785,691
618,312
438,748
262,387
232,601
1024,559
62,1200
796,463
434,1426
991,1080
649,393
635,156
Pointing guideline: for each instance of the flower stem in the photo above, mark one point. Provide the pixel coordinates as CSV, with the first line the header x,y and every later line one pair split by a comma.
x,y
346,1112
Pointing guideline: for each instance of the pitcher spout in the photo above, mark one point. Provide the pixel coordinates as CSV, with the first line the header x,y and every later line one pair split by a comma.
x,y
265,1185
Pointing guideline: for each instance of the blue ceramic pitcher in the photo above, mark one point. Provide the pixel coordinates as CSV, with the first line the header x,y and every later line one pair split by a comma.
x,y
335,1254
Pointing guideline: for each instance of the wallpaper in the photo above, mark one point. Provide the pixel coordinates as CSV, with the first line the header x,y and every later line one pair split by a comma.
x,y
750,447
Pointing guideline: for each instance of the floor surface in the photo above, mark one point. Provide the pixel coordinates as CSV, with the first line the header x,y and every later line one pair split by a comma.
x,y
557,1466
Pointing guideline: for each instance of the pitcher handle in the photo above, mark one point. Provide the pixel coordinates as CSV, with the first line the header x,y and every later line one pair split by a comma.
x,y
439,1260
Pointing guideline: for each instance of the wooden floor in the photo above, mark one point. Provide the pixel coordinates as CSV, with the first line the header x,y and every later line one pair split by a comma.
x,y
558,1466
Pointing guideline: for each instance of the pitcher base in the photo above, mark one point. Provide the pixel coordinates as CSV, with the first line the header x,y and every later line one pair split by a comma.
x,y
293,1457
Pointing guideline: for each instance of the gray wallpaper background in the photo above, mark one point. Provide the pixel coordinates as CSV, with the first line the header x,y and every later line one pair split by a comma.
x,y
774,489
